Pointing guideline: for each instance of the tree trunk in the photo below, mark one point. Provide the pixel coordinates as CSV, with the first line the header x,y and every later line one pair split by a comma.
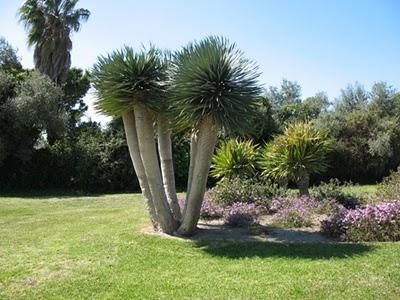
x,y
148,153
193,151
303,182
207,138
167,165
133,146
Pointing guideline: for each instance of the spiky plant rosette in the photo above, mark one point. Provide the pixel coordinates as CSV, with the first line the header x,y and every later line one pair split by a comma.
x,y
124,78
234,158
213,78
300,148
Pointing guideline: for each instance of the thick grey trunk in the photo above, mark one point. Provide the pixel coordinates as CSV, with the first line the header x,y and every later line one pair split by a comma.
x,y
207,138
303,182
193,151
133,146
167,164
148,153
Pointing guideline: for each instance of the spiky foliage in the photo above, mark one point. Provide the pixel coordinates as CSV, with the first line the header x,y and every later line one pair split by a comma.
x,y
213,78
126,77
49,24
301,149
234,158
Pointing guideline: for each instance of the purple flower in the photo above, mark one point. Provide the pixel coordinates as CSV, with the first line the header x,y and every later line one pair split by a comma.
x,y
378,222
299,211
241,214
208,210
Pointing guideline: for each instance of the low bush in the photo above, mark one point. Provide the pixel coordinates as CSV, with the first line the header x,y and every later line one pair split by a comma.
x,y
241,214
299,212
208,210
333,189
227,192
390,186
378,222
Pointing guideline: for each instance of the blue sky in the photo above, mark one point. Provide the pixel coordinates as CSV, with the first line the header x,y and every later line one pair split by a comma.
x,y
323,45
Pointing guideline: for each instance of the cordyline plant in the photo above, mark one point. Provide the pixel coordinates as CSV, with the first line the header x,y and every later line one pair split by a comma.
x,y
234,158
206,86
300,151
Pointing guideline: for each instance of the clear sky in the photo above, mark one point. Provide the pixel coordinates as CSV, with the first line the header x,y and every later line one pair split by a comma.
x,y
321,44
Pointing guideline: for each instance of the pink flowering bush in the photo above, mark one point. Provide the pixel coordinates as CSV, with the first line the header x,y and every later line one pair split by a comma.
x,y
241,214
208,211
299,212
378,222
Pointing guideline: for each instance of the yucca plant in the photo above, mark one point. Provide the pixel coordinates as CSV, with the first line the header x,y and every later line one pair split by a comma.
x,y
300,151
132,84
234,158
212,87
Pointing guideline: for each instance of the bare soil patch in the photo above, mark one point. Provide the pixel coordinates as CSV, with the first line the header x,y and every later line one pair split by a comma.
x,y
216,231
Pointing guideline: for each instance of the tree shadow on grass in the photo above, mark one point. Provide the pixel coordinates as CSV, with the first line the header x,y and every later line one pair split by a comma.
x,y
295,244
313,251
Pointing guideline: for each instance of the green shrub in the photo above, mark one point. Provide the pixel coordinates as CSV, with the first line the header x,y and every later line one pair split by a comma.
x,y
227,192
390,187
333,189
234,158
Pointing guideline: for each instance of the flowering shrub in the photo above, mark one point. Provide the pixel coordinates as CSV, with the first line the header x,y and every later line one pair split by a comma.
x,y
241,214
208,211
379,222
299,212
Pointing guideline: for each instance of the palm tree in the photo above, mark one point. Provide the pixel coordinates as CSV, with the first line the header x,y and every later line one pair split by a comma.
x,y
133,85
49,24
212,87
296,154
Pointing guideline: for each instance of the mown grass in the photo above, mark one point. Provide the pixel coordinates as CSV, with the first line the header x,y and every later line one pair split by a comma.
x,y
93,247
368,190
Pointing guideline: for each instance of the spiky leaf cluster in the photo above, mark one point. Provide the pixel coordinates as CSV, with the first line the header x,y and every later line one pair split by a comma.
x,y
234,158
126,77
301,148
213,78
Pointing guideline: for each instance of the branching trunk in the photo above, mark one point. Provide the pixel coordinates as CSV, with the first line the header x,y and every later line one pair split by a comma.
x,y
148,153
207,138
303,182
133,146
167,165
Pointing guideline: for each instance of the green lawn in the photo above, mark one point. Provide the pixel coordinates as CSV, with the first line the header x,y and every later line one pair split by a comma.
x,y
92,247
362,190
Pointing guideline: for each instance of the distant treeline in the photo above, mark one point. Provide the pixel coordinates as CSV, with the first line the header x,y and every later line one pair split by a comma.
x,y
44,144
